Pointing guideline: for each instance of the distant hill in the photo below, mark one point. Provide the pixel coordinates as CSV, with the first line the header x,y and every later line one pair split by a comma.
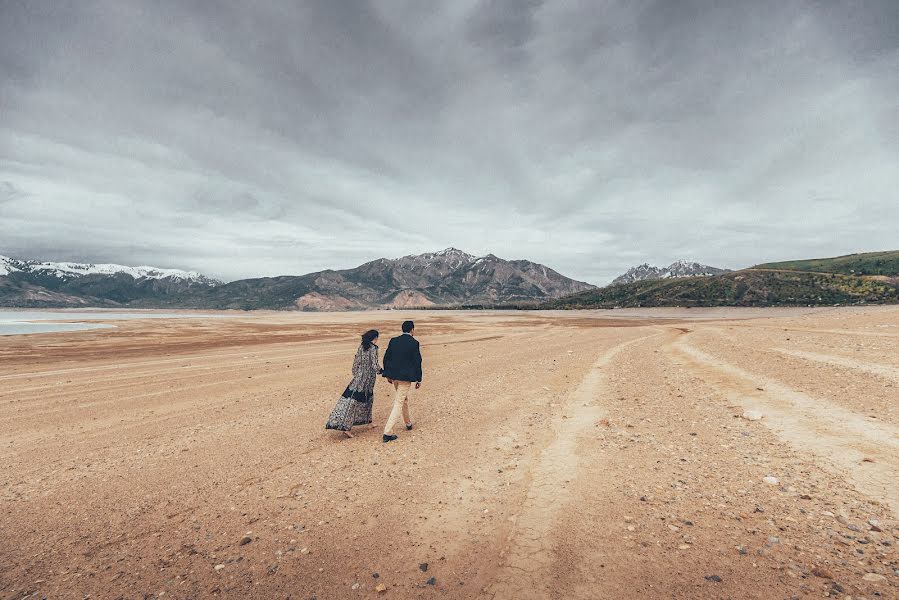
x,y
447,278
868,263
680,268
750,287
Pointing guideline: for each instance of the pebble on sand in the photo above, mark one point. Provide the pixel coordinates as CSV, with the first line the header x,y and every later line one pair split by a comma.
x,y
752,415
822,573
770,480
874,577
380,588
219,567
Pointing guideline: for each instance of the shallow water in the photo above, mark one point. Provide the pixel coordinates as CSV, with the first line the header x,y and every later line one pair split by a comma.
x,y
19,322
7,328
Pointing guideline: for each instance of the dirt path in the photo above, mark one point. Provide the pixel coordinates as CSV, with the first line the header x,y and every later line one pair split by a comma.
x,y
555,455
862,449
528,558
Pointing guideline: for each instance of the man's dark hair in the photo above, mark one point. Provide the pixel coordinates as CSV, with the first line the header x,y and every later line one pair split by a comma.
x,y
408,326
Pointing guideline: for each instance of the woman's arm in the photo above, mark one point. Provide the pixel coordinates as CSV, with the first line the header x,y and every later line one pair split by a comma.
x,y
374,360
357,362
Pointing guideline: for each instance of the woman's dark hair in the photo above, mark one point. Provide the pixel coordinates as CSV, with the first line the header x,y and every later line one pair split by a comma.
x,y
368,337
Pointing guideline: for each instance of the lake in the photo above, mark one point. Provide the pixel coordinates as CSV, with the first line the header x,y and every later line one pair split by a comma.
x,y
20,322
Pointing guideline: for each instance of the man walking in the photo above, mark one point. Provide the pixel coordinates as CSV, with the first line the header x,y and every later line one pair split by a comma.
x,y
402,368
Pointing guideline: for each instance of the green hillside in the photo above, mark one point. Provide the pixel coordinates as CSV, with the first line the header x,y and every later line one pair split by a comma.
x,y
751,287
869,263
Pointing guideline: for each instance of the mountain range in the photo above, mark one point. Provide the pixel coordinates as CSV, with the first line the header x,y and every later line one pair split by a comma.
x,y
447,278
868,278
452,278
680,268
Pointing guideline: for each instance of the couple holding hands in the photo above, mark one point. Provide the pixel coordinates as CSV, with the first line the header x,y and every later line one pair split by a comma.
x,y
402,369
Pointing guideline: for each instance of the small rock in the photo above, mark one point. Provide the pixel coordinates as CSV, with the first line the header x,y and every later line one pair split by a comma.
x,y
742,550
874,524
714,578
684,547
423,567
770,480
380,588
245,540
432,581
874,577
304,551
752,415
822,573
219,567
773,539
805,497
375,575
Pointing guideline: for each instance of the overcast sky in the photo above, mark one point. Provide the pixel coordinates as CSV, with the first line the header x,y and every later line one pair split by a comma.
x,y
247,139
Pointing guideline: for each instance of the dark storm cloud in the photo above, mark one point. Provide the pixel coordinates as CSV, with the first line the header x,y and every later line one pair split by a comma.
x,y
288,137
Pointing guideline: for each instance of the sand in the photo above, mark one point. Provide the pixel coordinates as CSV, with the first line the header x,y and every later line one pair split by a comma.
x,y
620,454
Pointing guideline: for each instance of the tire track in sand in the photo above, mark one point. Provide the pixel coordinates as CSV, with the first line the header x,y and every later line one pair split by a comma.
x,y
864,450
528,556
875,369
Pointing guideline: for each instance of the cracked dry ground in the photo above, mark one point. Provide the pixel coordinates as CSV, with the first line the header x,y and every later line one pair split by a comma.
x,y
555,455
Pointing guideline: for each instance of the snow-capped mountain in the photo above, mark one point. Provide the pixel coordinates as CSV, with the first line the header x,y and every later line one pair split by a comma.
x,y
31,283
680,268
67,270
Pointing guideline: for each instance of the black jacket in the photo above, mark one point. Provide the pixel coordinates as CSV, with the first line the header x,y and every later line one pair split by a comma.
x,y
402,361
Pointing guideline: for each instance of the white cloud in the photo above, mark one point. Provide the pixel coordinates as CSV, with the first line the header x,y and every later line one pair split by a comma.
x,y
281,139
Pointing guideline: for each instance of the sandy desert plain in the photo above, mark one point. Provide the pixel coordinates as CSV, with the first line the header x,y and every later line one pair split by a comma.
x,y
719,453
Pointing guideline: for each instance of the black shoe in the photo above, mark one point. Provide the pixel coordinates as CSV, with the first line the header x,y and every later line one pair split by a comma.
x,y
409,427
389,438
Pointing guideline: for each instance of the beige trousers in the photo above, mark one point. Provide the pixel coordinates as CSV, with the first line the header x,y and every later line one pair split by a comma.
x,y
400,404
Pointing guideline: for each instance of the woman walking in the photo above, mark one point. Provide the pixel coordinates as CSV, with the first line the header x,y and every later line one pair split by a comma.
x,y
354,407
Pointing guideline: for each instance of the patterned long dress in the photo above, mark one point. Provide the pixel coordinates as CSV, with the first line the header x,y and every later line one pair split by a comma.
x,y
354,406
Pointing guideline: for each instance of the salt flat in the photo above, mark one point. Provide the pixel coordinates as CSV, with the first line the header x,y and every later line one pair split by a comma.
x,y
555,455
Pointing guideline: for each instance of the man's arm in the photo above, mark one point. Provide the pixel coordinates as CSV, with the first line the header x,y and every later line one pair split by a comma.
x,y
417,359
388,354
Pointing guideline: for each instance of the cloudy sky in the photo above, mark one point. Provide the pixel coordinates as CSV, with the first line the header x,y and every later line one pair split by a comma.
x,y
245,139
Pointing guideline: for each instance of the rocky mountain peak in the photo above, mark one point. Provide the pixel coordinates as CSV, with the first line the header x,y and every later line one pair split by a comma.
x,y
679,268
